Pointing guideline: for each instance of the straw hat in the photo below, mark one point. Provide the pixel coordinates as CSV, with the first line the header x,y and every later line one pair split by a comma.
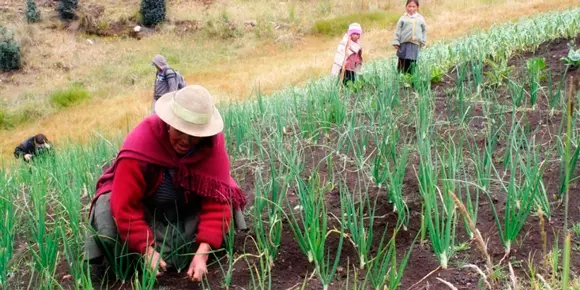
x,y
190,110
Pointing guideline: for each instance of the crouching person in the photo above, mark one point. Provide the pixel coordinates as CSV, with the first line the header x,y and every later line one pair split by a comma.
x,y
31,147
169,190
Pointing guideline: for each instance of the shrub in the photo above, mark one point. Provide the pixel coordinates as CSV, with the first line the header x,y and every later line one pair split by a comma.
x,y
152,12
339,25
9,51
222,27
66,98
32,12
66,9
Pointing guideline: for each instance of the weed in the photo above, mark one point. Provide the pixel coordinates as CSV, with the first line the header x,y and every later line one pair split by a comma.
x,y
499,71
576,229
573,57
68,97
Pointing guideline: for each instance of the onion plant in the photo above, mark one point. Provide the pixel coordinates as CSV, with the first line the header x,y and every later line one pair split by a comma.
x,y
451,173
384,272
268,200
439,207
393,175
359,217
521,189
482,166
312,235
7,222
43,227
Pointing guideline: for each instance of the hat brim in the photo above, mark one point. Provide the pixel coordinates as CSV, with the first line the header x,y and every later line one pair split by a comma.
x,y
163,108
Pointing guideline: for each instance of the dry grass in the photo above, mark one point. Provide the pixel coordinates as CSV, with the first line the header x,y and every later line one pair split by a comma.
x,y
118,74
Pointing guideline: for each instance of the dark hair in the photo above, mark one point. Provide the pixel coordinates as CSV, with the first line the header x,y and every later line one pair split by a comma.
x,y
40,139
412,1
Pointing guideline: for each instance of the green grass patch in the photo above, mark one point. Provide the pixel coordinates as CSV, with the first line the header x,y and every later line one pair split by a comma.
x,y
339,25
4,119
66,98
11,118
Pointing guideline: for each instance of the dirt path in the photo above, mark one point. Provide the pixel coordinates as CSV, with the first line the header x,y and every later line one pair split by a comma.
x,y
272,67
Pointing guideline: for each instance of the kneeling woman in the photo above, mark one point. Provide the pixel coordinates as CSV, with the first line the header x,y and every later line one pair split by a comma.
x,y
169,188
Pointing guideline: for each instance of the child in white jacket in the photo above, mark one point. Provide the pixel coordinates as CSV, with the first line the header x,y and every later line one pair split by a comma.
x,y
348,55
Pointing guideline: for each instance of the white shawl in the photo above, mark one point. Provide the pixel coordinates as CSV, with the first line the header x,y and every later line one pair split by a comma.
x,y
339,58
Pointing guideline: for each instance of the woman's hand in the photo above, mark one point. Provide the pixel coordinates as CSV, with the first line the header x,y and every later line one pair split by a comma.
x,y
153,258
397,47
198,267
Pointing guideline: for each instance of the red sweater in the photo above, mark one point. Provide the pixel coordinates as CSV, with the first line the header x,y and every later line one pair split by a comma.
x,y
135,180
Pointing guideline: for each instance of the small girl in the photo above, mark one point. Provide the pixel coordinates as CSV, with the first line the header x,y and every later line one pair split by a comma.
x,y
411,34
348,54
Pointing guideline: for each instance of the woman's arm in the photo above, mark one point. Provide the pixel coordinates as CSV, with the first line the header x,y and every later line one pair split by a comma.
x,y
129,187
214,221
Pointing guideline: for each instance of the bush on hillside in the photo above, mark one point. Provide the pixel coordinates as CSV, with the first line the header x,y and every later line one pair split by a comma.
x,y
9,51
32,12
222,27
152,12
66,9
66,98
339,25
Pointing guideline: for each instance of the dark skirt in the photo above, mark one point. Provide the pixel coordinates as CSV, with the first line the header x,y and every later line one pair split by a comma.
x,y
173,240
408,50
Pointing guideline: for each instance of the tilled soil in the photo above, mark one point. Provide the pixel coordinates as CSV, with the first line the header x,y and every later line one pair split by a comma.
x,y
292,269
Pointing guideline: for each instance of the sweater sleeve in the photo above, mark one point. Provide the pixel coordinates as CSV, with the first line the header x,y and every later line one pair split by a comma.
x,y
424,31
214,221
397,40
26,147
171,77
18,152
126,205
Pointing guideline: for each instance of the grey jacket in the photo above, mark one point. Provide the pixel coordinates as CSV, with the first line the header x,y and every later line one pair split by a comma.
x,y
165,80
412,30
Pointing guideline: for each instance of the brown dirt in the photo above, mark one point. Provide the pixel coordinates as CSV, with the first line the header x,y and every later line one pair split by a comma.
x,y
292,268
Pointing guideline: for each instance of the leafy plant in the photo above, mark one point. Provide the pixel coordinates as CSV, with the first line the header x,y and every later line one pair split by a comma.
x,y
536,69
437,74
536,66
573,57
499,71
